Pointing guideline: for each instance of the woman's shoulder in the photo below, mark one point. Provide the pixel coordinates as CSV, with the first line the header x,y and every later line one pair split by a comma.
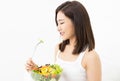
x,y
91,57
56,49
93,65
91,54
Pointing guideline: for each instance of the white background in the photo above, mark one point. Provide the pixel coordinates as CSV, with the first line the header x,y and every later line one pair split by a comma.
x,y
24,22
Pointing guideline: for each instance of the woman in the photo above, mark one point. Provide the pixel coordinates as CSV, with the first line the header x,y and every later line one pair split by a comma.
x,y
76,53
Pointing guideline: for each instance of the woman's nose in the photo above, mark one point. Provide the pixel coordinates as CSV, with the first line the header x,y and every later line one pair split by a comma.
x,y
58,28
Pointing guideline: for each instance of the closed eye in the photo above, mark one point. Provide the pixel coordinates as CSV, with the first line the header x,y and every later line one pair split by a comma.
x,y
61,22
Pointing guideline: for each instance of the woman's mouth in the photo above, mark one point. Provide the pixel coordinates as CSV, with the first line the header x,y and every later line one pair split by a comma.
x,y
61,33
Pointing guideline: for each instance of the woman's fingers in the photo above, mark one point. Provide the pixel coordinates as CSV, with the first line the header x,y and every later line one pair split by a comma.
x,y
31,62
28,68
30,65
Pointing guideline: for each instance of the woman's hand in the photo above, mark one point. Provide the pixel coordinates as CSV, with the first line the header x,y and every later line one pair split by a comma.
x,y
30,65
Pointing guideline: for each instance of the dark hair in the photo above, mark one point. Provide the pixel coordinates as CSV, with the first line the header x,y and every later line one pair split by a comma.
x,y
75,11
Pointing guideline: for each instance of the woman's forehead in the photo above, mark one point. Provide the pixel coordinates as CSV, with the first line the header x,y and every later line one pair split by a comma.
x,y
61,16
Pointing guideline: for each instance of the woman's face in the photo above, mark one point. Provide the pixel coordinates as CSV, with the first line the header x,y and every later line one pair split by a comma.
x,y
65,26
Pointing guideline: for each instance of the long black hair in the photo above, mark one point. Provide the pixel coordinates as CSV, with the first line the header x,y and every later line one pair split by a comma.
x,y
75,11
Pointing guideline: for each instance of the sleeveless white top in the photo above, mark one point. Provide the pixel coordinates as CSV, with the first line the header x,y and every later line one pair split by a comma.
x,y
72,71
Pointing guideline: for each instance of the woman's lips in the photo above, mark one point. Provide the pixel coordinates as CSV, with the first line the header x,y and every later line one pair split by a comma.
x,y
61,33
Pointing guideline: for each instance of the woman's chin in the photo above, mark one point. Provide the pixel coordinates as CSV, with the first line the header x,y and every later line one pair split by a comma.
x,y
63,38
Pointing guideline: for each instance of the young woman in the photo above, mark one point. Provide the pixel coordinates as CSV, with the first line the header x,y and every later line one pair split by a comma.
x,y
76,53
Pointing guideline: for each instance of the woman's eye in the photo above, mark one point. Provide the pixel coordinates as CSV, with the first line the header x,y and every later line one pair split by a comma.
x,y
62,23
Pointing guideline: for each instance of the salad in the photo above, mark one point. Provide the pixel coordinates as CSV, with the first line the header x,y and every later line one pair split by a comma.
x,y
47,72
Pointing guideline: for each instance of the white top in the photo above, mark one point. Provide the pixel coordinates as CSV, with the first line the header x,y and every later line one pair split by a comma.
x,y
72,71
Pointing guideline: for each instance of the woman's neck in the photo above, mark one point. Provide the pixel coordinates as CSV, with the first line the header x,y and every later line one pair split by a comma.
x,y
72,42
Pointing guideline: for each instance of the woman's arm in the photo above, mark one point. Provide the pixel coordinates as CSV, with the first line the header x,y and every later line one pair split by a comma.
x,y
93,66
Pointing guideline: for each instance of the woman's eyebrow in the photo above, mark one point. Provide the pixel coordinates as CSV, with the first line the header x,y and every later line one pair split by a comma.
x,y
60,19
